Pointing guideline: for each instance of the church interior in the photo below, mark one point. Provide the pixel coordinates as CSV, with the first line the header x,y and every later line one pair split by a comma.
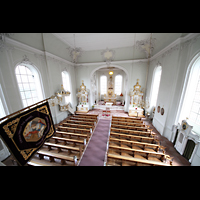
x,y
116,99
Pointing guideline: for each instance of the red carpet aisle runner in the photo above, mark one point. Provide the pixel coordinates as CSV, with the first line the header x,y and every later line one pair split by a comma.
x,y
95,153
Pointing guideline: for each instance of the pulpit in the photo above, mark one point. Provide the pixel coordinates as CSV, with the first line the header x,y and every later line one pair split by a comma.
x,y
136,101
82,95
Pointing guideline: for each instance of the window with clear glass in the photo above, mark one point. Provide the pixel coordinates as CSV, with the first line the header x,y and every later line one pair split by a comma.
x,y
2,111
29,86
103,85
190,109
118,84
66,85
194,114
155,86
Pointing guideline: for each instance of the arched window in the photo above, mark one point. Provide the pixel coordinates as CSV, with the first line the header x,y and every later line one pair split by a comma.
x,y
3,106
118,84
191,96
29,84
155,85
66,85
103,85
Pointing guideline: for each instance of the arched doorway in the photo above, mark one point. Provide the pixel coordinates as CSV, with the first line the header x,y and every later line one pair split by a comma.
x,y
126,84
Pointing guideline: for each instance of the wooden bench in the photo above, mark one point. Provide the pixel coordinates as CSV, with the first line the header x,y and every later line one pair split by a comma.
x,y
66,147
73,130
141,124
134,161
138,145
80,122
78,126
126,119
69,134
135,137
92,115
86,116
84,119
132,132
52,155
129,127
147,155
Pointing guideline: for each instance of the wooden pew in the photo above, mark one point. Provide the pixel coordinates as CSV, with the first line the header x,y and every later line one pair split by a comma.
x,y
135,138
83,119
82,126
138,145
80,122
147,155
86,116
69,134
129,127
65,147
91,115
126,119
133,161
52,156
141,124
132,132
74,130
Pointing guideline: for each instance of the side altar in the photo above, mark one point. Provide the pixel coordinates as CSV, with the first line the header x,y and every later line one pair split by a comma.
x,y
136,101
82,95
110,97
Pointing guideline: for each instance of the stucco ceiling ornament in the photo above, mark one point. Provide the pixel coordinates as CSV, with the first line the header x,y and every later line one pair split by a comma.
x,y
108,55
147,46
26,60
75,52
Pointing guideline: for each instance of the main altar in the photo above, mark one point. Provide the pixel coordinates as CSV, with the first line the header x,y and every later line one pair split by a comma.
x,y
110,97
136,101
82,95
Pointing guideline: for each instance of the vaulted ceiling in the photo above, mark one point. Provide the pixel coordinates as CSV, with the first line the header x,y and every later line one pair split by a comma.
x,y
100,41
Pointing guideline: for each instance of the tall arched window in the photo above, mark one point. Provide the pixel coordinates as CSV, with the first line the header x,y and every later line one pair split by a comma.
x,y
3,107
191,96
103,85
66,85
118,84
29,84
155,85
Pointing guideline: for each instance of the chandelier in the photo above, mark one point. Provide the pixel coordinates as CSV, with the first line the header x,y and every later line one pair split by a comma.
x,y
110,73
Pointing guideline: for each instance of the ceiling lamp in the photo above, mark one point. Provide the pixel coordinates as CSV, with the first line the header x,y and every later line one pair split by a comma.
x,y
110,73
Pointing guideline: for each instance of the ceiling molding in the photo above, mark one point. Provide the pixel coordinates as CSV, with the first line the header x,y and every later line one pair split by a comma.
x,y
29,49
173,45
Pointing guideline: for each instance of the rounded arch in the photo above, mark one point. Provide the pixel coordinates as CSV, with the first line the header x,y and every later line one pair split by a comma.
x,y
126,83
34,87
157,69
185,102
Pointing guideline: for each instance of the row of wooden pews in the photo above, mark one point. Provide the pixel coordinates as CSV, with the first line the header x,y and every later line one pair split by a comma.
x,y
132,143
68,144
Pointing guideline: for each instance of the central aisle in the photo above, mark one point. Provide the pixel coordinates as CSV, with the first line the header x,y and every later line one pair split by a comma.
x,y
95,153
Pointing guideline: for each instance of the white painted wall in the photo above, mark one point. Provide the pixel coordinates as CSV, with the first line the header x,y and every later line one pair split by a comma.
x,y
174,67
50,56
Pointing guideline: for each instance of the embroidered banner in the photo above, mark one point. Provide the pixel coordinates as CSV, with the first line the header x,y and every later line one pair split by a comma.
x,y
26,132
